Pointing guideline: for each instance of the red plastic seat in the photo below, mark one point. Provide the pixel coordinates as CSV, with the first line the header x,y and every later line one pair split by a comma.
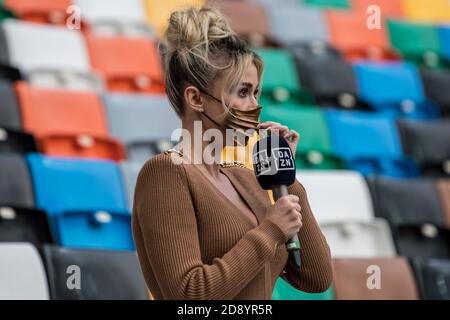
x,y
127,64
41,11
67,123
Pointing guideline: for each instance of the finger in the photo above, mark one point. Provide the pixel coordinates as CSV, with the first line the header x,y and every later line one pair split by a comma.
x,y
292,134
267,124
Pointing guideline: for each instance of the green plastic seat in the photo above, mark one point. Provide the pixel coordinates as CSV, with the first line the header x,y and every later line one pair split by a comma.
x,y
417,42
327,4
4,12
284,291
314,148
280,83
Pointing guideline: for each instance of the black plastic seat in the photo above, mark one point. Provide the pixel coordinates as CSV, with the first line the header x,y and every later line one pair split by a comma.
x,y
24,225
413,209
9,107
105,274
428,142
326,75
436,84
4,57
433,278
14,141
16,187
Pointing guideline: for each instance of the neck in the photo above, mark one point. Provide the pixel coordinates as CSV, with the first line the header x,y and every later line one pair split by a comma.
x,y
205,154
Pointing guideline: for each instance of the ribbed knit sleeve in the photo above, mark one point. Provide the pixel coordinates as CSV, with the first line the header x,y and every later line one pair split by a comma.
x,y
166,223
316,271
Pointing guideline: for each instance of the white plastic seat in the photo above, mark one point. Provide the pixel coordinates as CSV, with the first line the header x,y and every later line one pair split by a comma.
x,y
337,196
22,273
49,55
118,16
360,239
341,203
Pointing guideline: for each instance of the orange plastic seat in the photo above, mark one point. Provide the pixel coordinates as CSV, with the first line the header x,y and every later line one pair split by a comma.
x,y
67,123
428,11
127,64
388,8
42,11
350,34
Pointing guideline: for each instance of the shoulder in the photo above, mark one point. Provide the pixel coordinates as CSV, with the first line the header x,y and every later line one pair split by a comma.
x,y
162,166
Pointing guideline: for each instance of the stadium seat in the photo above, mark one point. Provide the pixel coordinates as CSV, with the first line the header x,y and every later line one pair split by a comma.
x,y
158,12
24,225
342,206
95,215
110,56
443,186
444,36
328,4
406,201
42,11
284,291
16,187
9,107
291,23
248,19
433,278
318,74
357,279
388,8
16,141
435,11
418,42
67,122
115,17
364,43
280,83
104,274
393,87
22,273
144,123
4,57
315,150
369,143
413,209
130,171
436,84
428,142
62,62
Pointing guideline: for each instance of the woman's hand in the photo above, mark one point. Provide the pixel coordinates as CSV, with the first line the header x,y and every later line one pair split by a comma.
x,y
286,213
291,136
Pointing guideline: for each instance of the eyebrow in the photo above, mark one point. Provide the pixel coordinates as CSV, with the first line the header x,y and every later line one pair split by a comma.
x,y
249,85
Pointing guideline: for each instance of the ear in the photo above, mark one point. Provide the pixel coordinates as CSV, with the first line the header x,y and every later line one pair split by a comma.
x,y
193,98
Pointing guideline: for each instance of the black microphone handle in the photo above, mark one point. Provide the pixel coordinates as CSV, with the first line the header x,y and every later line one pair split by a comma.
x,y
293,244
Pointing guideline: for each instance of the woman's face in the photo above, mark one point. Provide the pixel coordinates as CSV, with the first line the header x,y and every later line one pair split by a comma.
x,y
244,97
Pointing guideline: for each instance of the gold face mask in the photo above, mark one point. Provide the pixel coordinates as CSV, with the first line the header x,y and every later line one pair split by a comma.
x,y
242,122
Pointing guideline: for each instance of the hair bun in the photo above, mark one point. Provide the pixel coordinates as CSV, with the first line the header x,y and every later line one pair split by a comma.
x,y
195,28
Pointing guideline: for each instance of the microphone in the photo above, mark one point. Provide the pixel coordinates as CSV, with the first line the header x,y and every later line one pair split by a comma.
x,y
274,167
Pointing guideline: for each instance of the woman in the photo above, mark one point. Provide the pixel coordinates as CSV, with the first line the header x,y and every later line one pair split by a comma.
x,y
207,230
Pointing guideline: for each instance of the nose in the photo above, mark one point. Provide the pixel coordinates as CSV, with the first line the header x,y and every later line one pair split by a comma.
x,y
254,102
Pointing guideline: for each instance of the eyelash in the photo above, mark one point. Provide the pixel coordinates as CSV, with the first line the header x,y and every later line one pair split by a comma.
x,y
245,91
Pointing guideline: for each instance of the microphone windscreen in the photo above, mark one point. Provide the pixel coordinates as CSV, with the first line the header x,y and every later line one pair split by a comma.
x,y
273,162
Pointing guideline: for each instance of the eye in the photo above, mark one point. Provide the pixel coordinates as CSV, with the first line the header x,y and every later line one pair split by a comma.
x,y
256,92
243,92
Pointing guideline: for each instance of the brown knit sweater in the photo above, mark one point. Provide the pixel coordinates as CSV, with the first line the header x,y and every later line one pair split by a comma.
x,y
193,242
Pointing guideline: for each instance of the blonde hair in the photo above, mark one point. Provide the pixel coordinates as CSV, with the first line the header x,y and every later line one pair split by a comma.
x,y
197,48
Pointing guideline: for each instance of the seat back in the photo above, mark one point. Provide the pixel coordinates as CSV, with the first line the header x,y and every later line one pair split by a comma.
x,y
354,279
433,278
42,11
122,279
22,273
9,107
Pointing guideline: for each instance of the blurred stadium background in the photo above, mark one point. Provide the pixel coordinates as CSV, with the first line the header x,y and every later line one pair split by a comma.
x,y
82,109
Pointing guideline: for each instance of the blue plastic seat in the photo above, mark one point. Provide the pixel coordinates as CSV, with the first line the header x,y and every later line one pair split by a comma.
x,y
85,200
444,36
393,87
369,143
